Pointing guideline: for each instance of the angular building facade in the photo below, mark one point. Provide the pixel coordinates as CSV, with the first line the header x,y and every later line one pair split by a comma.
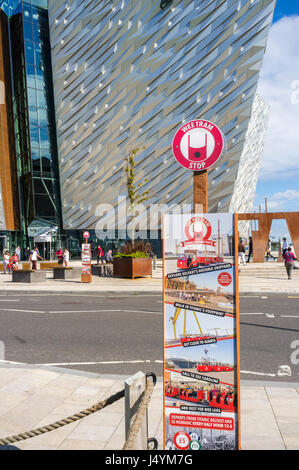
x,y
250,162
127,73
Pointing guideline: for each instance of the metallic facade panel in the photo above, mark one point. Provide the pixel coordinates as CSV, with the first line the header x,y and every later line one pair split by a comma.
x,y
127,74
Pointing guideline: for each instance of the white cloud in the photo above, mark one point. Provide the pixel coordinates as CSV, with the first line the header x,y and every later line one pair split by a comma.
x,y
289,194
279,87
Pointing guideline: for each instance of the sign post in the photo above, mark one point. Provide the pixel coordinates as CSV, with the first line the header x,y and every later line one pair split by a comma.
x,y
86,276
197,145
201,317
201,333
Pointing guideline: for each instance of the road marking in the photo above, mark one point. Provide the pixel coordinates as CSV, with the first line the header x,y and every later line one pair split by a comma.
x,y
9,300
94,363
252,313
293,296
18,310
289,316
257,373
83,311
264,297
104,311
270,315
284,370
142,311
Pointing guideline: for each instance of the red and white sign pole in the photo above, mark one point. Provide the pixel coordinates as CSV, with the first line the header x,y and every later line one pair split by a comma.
x,y
197,145
86,276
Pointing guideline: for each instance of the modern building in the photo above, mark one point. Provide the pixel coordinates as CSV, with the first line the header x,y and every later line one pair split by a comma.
x,y
250,162
126,74
29,173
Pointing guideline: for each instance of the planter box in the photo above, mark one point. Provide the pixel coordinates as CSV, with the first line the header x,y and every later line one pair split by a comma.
x,y
132,267
102,270
29,277
66,273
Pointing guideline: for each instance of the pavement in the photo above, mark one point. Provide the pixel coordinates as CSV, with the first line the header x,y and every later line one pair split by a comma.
x,y
269,277
36,395
32,397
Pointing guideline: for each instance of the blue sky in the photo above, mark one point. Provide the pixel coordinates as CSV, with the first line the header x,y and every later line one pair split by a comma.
x,y
279,86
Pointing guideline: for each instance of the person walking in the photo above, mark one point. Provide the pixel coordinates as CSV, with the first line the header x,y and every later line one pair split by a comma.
x,y
100,254
18,252
241,252
66,257
250,251
268,249
284,246
60,255
34,257
6,261
289,261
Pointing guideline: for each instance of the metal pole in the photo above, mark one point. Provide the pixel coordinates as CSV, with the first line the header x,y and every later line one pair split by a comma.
x,y
200,192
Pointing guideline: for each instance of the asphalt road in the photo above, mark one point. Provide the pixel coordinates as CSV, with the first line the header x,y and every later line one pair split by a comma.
x,y
121,335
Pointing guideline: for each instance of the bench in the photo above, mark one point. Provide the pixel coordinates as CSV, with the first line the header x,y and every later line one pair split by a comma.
x,y
65,274
102,270
29,277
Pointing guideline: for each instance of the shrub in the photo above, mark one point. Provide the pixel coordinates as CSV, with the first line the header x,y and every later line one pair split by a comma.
x,y
138,249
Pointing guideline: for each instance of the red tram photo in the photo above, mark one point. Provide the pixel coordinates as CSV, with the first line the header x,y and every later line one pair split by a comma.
x,y
188,261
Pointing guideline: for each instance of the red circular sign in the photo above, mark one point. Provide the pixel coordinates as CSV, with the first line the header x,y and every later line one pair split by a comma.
x,y
198,144
225,279
86,235
182,440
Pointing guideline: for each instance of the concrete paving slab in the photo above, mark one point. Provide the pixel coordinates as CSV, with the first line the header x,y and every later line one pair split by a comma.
x,y
267,421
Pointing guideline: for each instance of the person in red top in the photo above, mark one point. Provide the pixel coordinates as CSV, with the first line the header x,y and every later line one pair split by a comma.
x,y
15,261
60,255
289,261
100,254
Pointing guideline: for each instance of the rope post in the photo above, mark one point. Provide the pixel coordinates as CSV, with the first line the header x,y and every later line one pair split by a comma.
x,y
134,389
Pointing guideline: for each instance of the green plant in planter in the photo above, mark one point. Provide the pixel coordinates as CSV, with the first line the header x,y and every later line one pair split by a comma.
x,y
133,188
140,249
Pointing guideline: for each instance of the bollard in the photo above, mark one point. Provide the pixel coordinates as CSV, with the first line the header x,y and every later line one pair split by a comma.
x,y
155,262
134,389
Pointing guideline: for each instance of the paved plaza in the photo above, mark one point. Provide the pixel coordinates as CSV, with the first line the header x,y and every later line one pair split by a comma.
x,y
32,397
254,278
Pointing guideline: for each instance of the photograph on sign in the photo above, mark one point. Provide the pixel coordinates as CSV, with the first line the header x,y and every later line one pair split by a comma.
x,y
201,365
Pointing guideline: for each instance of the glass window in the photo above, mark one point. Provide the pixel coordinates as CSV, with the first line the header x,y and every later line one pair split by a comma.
x,y
50,186
31,97
41,99
33,116
44,206
36,165
34,136
43,117
39,58
36,32
26,11
28,30
40,78
39,187
46,163
29,50
30,75
44,137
